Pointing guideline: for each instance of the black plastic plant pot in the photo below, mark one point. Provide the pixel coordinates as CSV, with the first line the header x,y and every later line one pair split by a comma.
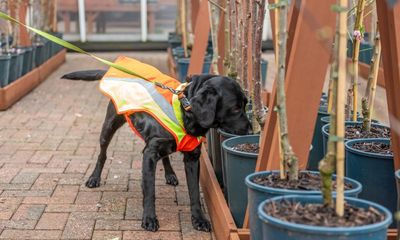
x,y
264,67
13,70
274,228
317,153
40,55
220,157
56,48
33,56
4,69
27,63
374,171
258,193
183,67
325,132
20,62
48,51
238,166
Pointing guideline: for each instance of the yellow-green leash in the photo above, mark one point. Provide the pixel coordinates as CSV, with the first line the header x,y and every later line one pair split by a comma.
x,y
70,46
184,101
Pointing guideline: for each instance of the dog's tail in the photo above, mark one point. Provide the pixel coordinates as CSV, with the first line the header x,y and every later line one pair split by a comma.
x,y
88,75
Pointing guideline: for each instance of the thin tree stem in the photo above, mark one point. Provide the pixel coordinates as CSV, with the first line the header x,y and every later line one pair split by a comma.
x,y
289,158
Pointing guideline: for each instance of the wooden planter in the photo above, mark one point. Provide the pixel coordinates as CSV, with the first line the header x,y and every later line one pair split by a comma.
x,y
20,87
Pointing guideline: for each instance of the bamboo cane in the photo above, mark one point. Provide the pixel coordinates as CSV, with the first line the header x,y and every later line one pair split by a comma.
x,y
289,158
356,50
341,88
214,19
369,96
333,73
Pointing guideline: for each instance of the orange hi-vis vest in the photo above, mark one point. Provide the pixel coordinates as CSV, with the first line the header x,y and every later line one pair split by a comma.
x,y
131,94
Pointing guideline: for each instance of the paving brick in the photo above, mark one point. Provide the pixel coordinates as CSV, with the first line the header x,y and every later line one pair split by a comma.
x,y
71,208
52,221
139,235
78,229
7,174
29,212
18,224
88,197
41,157
25,177
65,194
30,234
77,167
109,224
107,235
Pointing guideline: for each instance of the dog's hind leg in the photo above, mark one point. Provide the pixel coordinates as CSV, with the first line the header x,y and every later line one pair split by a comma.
x,y
170,176
192,170
111,124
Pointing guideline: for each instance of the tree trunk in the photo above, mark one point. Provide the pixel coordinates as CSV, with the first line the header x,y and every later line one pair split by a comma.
x,y
289,158
245,46
369,96
214,22
258,23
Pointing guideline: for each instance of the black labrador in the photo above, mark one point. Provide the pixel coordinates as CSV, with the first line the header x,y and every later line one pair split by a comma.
x,y
217,102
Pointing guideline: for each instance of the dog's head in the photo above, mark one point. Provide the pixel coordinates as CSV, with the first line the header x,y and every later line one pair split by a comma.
x,y
219,102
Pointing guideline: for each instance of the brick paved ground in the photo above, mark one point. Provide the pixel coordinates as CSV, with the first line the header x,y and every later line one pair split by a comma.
x,y
48,148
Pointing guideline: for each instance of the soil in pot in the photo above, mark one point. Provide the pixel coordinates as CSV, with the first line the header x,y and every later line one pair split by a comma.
x,y
247,147
307,181
374,147
322,215
355,131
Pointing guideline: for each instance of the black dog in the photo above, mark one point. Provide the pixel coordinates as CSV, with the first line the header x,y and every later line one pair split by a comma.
x,y
217,102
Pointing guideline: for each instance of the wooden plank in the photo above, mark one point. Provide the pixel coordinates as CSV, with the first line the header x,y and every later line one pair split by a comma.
x,y
195,10
389,28
221,217
392,234
201,32
244,234
234,236
309,56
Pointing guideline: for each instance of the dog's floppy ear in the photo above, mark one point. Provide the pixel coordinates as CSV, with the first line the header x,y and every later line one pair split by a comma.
x,y
204,106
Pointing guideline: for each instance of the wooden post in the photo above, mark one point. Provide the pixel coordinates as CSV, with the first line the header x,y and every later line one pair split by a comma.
x,y
202,30
23,33
389,27
305,42
195,9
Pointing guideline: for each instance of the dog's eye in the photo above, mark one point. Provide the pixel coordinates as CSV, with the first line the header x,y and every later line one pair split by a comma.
x,y
236,110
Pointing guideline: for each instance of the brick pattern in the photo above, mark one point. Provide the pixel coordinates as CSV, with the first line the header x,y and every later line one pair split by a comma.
x,y
48,148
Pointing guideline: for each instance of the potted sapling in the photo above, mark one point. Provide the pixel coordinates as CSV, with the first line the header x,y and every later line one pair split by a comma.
x,y
288,180
330,216
372,155
240,152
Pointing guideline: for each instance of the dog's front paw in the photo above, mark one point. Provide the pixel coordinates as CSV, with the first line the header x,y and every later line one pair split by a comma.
x,y
201,224
93,182
171,179
150,224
